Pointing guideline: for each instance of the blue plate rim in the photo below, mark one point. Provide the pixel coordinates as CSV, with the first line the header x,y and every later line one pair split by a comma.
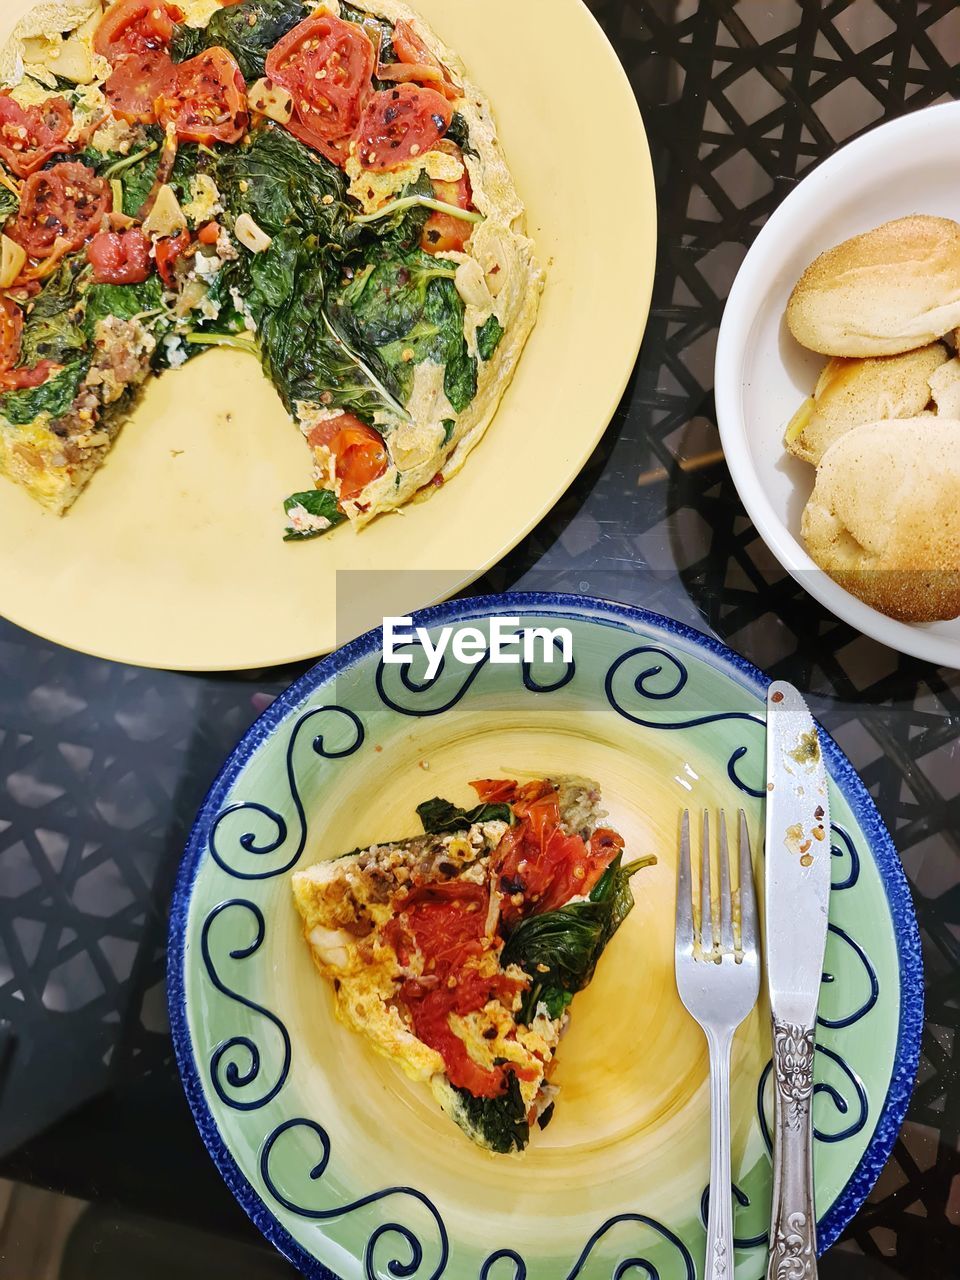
x,y
590,609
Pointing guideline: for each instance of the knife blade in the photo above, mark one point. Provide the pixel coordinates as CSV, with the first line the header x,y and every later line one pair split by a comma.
x,y
797,896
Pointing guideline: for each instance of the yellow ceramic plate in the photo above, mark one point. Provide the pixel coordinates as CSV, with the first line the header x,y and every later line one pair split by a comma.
x,y
174,556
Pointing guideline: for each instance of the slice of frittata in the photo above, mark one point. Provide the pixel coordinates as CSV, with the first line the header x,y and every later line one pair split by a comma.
x,y
458,952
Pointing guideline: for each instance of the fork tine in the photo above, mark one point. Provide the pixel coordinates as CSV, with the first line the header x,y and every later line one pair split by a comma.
x,y
706,907
748,892
684,936
726,912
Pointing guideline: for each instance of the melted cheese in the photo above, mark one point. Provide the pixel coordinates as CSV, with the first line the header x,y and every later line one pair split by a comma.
x,y
116,135
204,203
491,1033
375,189
197,13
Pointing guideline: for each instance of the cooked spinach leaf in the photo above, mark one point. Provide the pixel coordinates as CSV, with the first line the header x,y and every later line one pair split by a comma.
x,y
317,502
449,426
304,353
460,375
232,28
187,42
502,1121
281,183
459,133
439,815
545,1116
403,227
273,274
125,301
54,398
350,13
560,949
407,309
489,336
190,160
136,171
53,328
137,182
9,204
65,86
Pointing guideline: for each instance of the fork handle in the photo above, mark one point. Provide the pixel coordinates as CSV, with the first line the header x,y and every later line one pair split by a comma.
x,y
793,1225
719,1261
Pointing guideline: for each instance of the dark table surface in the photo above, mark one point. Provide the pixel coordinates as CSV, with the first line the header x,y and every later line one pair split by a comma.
x,y
103,766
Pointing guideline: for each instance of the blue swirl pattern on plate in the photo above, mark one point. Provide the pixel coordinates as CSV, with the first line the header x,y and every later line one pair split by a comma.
x,y
637,683
657,662
232,1075
253,810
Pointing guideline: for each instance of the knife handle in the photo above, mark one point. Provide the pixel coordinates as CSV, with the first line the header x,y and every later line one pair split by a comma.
x,y
793,1225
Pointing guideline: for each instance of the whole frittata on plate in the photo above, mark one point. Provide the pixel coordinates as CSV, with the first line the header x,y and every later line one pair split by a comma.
x,y
321,186
458,952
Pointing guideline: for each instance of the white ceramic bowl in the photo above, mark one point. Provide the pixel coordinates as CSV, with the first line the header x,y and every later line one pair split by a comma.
x,y
763,375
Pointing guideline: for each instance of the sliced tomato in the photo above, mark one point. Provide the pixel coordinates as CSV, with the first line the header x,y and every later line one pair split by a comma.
x,y
135,27
11,328
574,867
430,1013
120,257
21,379
66,202
24,290
400,123
508,791
206,100
168,251
401,73
539,866
603,840
442,232
496,790
327,66
446,924
417,63
360,456
136,83
29,136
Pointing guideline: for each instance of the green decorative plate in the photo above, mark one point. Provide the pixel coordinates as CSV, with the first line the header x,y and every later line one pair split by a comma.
x,y
346,1165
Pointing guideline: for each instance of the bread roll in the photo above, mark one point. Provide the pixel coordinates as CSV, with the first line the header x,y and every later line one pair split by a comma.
x,y
884,516
881,293
945,386
851,392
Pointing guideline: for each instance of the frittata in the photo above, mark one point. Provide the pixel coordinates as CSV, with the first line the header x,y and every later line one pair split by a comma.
x,y
320,186
457,953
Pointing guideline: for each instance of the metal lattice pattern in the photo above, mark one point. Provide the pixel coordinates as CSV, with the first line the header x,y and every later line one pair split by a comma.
x,y
102,767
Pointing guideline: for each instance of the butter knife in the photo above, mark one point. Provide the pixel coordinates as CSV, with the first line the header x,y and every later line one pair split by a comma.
x,y
797,898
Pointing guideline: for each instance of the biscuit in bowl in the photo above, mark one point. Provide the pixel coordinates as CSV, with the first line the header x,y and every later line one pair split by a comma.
x,y
887,291
945,387
883,520
851,392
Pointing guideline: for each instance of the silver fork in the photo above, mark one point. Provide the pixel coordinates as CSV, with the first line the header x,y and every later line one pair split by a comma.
x,y
718,980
